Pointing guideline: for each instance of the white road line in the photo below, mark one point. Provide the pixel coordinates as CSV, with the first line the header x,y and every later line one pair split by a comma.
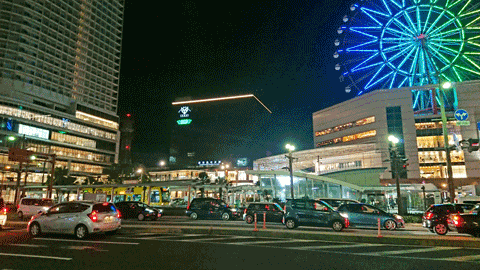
x,y
36,256
463,258
84,248
407,251
206,239
85,241
164,237
27,245
338,246
270,242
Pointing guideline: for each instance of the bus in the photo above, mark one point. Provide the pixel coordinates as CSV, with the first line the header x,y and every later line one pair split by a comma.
x,y
159,196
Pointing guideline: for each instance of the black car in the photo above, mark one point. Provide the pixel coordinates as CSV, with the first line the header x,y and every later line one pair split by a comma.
x,y
211,208
138,210
304,212
465,223
272,211
436,216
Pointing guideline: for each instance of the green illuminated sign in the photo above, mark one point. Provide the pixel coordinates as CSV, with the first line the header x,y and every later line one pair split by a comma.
x,y
184,121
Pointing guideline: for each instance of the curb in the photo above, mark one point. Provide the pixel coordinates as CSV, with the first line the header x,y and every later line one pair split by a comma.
x,y
462,241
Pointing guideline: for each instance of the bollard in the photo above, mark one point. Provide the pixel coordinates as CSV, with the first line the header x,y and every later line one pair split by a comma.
x,y
379,234
255,229
264,220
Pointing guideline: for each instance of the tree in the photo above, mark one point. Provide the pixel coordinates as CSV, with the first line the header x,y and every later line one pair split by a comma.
x,y
61,177
222,182
202,180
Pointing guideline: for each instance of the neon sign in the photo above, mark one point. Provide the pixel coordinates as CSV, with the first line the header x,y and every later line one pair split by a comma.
x,y
184,121
184,111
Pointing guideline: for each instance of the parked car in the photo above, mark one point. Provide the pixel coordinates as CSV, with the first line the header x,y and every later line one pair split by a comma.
x,y
436,216
272,211
465,223
178,202
365,215
211,208
138,210
79,218
304,212
336,202
28,207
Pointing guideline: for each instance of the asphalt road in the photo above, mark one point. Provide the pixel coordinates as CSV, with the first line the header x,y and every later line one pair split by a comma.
x,y
132,250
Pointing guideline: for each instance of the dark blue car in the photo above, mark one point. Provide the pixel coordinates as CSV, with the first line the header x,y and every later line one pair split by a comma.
x,y
365,215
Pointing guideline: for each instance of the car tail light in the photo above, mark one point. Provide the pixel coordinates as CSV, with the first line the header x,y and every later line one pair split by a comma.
x,y
188,206
429,215
347,223
4,210
457,220
119,215
245,211
93,216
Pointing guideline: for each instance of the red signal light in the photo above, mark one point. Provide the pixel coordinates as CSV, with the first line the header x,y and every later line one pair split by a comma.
x,y
128,115
127,147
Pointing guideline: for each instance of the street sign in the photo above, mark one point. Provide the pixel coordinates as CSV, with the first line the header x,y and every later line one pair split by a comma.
x,y
461,115
463,123
19,155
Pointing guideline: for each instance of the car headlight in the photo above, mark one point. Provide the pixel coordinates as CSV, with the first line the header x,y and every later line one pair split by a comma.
x,y
160,210
345,215
234,209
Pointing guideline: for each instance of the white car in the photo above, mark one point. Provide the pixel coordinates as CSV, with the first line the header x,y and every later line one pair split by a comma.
x,y
79,218
28,207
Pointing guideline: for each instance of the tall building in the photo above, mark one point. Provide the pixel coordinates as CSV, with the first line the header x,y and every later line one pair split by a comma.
x,y
59,80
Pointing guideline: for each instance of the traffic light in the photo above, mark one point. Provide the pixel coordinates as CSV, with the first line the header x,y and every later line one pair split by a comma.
x,y
473,145
403,165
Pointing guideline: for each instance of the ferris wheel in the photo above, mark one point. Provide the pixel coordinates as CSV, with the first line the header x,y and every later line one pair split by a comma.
x,y
387,44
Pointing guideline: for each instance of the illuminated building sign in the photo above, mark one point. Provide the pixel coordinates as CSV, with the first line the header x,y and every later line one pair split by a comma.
x,y
184,111
210,163
184,121
183,115
242,162
33,131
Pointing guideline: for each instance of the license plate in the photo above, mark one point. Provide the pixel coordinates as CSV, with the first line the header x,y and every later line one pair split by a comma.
x,y
3,219
108,219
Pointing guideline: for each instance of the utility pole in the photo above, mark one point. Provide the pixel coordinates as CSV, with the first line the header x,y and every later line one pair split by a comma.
x,y
290,148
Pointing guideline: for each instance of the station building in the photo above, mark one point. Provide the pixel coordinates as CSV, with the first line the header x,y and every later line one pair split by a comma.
x,y
351,145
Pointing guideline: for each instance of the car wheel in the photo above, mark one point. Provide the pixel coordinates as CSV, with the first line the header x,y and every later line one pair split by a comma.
x,y
194,215
141,217
290,223
390,225
225,216
337,226
35,229
81,231
440,229
20,215
249,219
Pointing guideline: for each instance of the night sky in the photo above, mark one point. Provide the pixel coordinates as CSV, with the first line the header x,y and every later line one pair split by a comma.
x,y
280,51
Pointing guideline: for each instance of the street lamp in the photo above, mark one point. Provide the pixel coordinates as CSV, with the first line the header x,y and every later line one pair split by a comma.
x,y
395,169
161,163
290,149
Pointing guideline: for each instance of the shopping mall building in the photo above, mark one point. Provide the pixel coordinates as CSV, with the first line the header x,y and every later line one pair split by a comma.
x,y
352,148
59,79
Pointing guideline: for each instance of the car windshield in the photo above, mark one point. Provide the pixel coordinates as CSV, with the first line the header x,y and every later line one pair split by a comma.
x,y
45,203
327,205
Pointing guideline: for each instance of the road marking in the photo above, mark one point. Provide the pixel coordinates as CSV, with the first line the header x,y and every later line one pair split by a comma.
x,y
207,239
463,258
270,242
338,246
36,256
406,251
164,237
84,248
84,241
27,245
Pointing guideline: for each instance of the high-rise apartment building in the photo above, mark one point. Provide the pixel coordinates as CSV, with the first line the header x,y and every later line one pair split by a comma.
x,y
59,81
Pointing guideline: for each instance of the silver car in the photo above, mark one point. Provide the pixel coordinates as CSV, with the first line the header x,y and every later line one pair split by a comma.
x,y
79,218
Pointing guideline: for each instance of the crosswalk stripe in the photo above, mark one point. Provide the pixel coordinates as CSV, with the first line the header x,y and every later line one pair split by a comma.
x,y
85,241
407,251
463,258
206,239
269,242
27,245
36,256
338,246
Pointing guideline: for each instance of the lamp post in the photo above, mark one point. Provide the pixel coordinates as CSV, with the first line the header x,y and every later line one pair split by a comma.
x,y
290,148
395,171
451,188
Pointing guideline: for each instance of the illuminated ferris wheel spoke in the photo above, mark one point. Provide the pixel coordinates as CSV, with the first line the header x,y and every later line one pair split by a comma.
x,y
445,25
474,44
454,3
469,70
364,10
410,22
396,4
391,31
419,21
471,61
435,22
354,49
374,76
386,6
427,19
397,47
472,22
363,33
457,74
393,79
361,64
403,26
463,8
